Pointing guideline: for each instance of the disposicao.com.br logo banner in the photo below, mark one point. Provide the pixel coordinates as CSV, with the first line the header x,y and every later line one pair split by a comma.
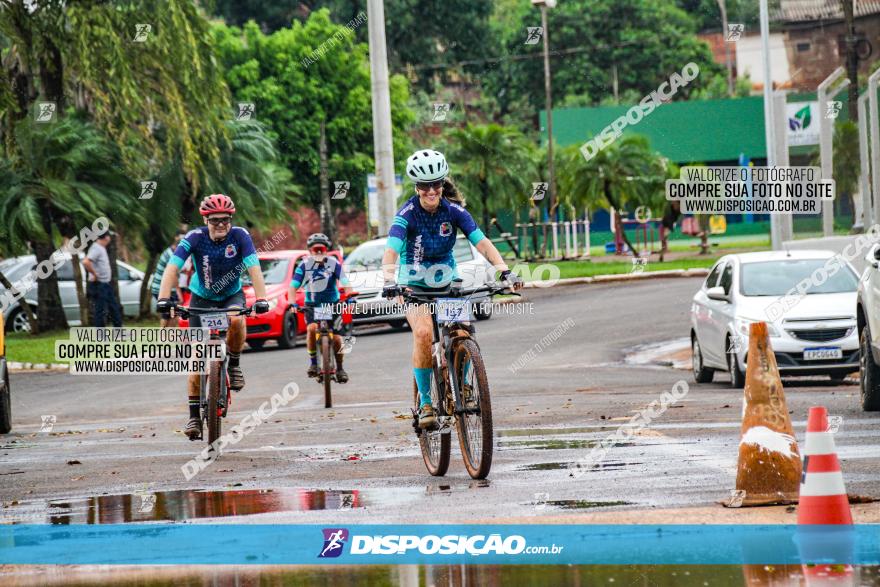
x,y
549,544
429,544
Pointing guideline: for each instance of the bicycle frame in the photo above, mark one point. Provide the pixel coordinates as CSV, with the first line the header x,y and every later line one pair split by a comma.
x,y
445,335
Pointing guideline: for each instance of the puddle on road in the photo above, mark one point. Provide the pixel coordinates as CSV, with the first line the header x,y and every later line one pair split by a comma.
x,y
556,466
508,575
553,444
548,431
174,506
582,504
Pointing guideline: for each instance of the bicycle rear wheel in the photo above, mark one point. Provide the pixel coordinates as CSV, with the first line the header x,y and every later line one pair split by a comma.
x,y
326,369
213,396
475,435
436,447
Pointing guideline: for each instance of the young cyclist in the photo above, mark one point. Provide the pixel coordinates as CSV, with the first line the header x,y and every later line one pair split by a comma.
x,y
322,277
220,254
422,236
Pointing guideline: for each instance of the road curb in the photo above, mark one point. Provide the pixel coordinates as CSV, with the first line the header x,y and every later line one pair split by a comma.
x,y
619,277
16,366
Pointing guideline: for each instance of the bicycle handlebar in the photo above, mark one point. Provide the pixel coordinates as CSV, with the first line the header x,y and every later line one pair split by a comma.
x,y
185,312
410,295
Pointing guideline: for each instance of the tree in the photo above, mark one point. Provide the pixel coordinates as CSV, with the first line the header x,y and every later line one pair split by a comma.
x,y
300,76
62,177
419,34
625,174
494,162
645,40
165,83
846,168
246,169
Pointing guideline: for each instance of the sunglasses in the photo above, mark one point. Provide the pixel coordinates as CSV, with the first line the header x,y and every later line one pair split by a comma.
x,y
219,221
433,185
318,249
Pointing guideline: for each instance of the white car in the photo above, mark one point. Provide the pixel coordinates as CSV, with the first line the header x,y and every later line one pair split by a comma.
x,y
868,316
813,334
363,268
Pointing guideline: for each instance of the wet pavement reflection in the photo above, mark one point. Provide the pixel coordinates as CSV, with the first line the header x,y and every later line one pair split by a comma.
x,y
181,505
461,576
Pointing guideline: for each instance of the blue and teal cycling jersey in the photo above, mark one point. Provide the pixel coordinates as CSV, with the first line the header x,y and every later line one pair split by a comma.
x,y
321,280
425,241
217,265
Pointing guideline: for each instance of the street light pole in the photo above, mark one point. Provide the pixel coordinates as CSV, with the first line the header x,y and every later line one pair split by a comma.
x,y
775,221
551,175
722,6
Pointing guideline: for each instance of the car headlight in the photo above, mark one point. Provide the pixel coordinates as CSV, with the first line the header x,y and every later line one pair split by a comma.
x,y
743,324
273,303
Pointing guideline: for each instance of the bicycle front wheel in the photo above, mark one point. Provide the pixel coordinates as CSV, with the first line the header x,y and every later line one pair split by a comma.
x,y
475,435
327,369
213,403
436,447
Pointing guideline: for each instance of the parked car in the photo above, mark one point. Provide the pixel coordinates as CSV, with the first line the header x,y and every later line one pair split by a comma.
x,y
17,267
816,336
5,390
363,267
868,319
277,324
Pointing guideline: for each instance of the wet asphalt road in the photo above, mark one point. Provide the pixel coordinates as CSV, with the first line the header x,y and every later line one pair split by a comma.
x,y
117,439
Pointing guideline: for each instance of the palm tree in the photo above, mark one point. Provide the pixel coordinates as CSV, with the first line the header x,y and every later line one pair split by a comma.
x,y
625,173
494,162
246,169
63,176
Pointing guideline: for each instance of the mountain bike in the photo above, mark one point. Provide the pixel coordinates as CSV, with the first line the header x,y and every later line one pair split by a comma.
x,y
327,325
214,396
459,395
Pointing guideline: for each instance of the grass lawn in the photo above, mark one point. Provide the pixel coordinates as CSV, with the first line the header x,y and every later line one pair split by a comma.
x,y
589,268
24,348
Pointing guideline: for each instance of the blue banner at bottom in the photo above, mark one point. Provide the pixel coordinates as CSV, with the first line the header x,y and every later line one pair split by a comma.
x,y
196,544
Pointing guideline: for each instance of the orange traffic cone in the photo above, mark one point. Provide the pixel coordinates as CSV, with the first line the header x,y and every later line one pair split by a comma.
x,y
823,500
823,497
769,463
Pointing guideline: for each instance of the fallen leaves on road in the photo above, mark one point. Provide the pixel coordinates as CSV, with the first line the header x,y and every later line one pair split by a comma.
x,y
74,462
402,417
353,457
78,478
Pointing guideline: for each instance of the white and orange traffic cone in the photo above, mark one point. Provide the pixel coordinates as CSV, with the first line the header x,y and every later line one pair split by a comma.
x,y
823,502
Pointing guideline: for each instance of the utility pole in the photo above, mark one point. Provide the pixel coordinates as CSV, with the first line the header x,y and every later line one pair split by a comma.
x,y
852,59
328,224
551,175
383,150
769,120
722,6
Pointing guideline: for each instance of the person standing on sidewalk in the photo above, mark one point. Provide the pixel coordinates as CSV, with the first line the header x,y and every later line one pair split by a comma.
x,y
176,294
99,289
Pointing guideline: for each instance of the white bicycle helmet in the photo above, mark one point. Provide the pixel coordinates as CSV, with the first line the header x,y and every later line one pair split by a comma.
x,y
427,165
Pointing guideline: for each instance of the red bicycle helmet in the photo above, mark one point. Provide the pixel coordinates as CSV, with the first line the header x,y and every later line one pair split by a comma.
x,y
217,204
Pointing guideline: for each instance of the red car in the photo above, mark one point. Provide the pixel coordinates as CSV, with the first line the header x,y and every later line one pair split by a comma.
x,y
277,324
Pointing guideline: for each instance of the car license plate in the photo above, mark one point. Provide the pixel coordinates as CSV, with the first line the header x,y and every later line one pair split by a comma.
x,y
323,313
453,310
218,321
822,353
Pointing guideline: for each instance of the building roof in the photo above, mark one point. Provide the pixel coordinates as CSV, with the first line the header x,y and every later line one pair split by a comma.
x,y
812,10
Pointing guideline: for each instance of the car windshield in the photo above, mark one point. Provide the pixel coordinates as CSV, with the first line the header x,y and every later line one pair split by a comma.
x,y
274,271
777,278
365,257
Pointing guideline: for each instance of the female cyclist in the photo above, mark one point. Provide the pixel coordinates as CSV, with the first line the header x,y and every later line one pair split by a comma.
x,y
422,237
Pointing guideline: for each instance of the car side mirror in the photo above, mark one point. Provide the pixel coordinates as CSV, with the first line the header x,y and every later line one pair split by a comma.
x,y
873,257
717,293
